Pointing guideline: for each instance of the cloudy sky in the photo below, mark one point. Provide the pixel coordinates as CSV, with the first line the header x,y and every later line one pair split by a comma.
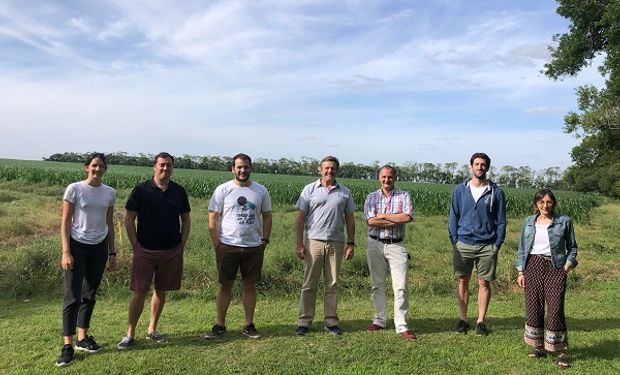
x,y
394,81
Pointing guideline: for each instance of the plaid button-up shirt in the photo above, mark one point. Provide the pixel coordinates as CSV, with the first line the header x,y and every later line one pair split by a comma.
x,y
397,202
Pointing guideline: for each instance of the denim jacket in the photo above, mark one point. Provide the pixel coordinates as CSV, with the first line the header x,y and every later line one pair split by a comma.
x,y
561,240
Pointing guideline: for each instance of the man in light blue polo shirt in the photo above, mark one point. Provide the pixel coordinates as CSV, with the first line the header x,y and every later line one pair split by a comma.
x,y
324,208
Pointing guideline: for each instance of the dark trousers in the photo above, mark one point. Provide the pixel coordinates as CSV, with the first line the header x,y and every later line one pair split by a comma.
x,y
545,284
81,283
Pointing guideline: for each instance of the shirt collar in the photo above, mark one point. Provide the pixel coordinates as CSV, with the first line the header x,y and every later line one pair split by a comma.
x,y
319,184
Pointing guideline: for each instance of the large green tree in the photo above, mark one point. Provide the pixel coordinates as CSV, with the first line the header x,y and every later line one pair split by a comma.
x,y
594,32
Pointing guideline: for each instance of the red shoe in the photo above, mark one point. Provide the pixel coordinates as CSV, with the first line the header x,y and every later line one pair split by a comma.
x,y
374,328
408,335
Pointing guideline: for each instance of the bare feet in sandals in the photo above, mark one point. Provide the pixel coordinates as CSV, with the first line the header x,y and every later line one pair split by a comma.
x,y
562,361
537,353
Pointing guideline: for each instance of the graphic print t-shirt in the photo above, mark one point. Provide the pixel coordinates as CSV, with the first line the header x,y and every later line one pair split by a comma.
x,y
241,211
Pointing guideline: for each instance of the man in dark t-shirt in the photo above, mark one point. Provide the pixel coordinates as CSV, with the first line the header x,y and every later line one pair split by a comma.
x,y
161,208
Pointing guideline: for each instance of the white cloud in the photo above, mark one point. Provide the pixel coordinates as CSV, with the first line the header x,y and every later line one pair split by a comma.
x,y
114,30
81,24
228,74
546,110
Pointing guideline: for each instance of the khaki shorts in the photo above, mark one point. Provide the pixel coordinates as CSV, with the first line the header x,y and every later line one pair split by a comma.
x,y
484,257
232,258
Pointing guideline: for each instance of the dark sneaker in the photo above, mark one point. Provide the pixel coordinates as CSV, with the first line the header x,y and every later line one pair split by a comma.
x,y
302,331
66,356
250,331
408,335
462,327
88,344
127,342
481,329
216,331
155,336
334,330
374,328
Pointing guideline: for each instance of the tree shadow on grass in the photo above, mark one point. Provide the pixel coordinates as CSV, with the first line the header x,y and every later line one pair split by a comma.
x,y
608,350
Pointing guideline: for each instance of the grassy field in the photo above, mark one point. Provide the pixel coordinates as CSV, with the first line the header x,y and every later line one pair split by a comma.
x,y
34,343
30,303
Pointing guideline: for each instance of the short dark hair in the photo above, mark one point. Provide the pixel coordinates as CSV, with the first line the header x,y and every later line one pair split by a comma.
x,y
390,167
163,155
241,156
540,194
480,155
90,157
333,159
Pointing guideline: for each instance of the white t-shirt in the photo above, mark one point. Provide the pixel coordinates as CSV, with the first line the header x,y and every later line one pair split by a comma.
x,y
90,208
541,244
477,192
241,211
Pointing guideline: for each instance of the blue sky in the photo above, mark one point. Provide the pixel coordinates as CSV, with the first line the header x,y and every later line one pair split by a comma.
x,y
393,81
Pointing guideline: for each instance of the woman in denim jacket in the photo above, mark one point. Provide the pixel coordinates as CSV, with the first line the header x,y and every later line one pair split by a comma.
x,y
547,252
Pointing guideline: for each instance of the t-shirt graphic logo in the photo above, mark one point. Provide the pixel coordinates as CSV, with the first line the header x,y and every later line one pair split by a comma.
x,y
246,214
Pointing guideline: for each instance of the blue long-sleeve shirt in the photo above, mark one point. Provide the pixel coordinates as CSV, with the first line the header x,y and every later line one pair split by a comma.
x,y
477,223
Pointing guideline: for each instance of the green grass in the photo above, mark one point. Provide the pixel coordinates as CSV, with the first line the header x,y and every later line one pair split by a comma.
x,y
30,304
34,344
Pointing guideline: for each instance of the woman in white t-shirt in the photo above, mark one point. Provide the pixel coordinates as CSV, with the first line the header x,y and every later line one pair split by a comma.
x,y
87,234
547,253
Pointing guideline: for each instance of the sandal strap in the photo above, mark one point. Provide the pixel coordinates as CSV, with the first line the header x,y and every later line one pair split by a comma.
x,y
563,361
537,353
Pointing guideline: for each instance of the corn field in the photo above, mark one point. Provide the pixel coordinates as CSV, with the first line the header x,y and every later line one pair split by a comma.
x,y
429,199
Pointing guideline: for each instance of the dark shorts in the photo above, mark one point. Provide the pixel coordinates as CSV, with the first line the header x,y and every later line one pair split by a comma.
x,y
231,258
165,265
484,257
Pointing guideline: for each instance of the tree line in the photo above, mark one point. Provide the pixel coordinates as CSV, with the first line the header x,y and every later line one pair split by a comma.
x,y
442,173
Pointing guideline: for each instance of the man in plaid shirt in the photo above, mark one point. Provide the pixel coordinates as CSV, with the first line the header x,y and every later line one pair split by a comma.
x,y
386,212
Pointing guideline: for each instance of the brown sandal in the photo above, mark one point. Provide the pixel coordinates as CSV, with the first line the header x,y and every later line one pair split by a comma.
x,y
562,361
537,353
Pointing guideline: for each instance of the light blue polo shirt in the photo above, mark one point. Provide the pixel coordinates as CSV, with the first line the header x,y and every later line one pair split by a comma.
x,y
325,210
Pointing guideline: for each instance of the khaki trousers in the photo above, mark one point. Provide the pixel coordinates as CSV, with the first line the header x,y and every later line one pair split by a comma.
x,y
320,257
393,258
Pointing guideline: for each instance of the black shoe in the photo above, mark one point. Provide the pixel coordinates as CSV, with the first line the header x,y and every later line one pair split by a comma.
x,y
87,344
334,330
481,329
216,331
462,327
250,331
126,342
155,336
302,331
66,356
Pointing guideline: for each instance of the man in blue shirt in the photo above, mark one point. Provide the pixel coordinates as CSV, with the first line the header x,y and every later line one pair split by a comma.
x,y
477,228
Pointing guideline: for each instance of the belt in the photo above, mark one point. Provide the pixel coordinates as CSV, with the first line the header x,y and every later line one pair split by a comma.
x,y
547,257
387,240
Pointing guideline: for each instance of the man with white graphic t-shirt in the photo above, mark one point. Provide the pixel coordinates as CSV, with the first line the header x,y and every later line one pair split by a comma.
x,y
236,211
